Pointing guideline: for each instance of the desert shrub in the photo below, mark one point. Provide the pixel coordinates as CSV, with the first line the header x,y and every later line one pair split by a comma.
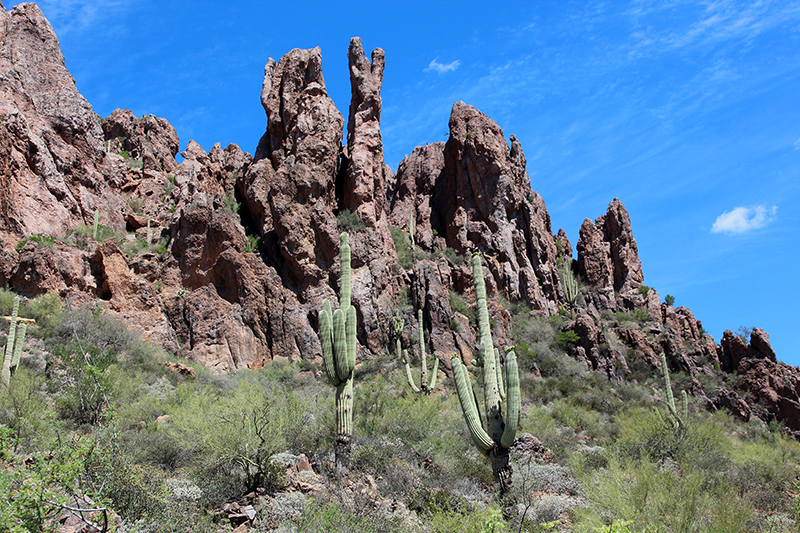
x,y
458,304
476,520
25,413
320,516
229,436
402,247
80,386
566,340
39,239
643,290
349,221
34,490
231,205
659,497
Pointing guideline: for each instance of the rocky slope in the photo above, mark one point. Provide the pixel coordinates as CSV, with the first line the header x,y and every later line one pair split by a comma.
x,y
225,258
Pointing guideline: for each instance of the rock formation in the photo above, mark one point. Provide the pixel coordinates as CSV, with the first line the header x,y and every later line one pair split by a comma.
x,y
54,168
225,258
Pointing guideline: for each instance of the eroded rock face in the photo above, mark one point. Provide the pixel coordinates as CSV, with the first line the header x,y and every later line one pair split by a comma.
x,y
54,171
608,257
151,139
473,195
291,186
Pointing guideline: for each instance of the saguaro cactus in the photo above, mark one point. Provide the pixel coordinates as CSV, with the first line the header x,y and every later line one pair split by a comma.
x,y
16,338
495,437
673,418
569,283
337,332
424,386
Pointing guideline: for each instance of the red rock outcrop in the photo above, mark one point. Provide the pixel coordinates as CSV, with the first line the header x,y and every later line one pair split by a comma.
x,y
291,186
151,139
474,194
608,257
54,171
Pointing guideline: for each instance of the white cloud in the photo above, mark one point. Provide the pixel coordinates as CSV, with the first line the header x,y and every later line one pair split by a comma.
x,y
743,219
797,144
440,68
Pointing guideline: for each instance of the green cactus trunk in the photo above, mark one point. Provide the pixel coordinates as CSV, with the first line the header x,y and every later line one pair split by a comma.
x,y
675,418
337,332
14,343
424,386
96,225
495,437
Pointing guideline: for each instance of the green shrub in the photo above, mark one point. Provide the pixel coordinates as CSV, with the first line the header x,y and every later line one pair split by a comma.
x,y
401,246
644,290
669,300
349,221
231,205
566,340
38,239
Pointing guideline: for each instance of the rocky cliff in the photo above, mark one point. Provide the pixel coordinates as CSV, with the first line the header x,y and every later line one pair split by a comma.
x,y
225,257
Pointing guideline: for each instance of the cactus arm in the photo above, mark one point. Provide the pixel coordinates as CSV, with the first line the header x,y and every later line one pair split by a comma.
x,y
409,377
434,373
22,328
96,224
326,338
499,370
344,256
339,345
484,327
423,379
685,404
513,401
352,343
8,354
411,229
470,408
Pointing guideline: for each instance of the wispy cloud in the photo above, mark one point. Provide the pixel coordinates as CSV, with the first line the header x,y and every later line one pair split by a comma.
x,y
440,68
797,144
744,219
76,16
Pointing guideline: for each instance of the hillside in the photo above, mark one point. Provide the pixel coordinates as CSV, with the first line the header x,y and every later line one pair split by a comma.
x,y
223,261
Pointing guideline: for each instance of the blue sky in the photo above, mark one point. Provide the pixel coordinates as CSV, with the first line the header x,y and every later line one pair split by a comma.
x,y
687,111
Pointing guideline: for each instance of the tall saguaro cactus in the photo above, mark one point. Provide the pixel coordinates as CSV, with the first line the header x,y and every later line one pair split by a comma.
x,y
337,332
495,437
674,418
424,386
14,342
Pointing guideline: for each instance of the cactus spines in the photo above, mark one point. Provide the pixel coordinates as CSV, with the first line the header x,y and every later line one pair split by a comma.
x,y
14,343
495,437
676,418
424,386
337,331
